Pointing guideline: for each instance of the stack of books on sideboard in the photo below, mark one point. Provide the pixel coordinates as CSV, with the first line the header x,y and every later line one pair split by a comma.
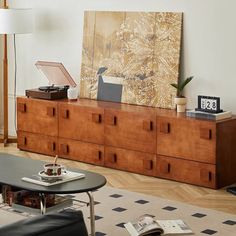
x,y
209,115
209,108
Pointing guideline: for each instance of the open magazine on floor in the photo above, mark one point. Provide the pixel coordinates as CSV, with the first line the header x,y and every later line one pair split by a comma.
x,y
147,225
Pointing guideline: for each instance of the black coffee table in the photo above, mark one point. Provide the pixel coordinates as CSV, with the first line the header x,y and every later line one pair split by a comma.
x,y
13,168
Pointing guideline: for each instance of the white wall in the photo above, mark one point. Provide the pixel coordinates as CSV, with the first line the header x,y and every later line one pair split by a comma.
x,y
209,42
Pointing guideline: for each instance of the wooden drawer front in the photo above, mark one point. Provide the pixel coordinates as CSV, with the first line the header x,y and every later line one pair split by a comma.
x,y
80,151
81,123
37,116
136,131
133,161
37,143
186,171
187,139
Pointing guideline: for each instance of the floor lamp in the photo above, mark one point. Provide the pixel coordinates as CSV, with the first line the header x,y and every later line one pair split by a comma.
x,y
12,21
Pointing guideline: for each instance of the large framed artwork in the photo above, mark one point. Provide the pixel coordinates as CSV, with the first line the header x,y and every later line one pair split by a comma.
x,y
131,57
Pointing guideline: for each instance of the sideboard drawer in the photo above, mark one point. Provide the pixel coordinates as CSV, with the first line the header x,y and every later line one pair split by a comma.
x,y
186,171
81,123
81,151
189,139
131,130
133,161
37,143
37,116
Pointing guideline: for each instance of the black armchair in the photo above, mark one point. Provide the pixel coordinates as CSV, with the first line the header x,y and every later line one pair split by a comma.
x,y
65,223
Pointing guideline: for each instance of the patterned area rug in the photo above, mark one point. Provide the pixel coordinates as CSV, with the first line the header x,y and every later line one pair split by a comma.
x,y
114,207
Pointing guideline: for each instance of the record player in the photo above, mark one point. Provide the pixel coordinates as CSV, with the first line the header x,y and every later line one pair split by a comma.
x,y
58,77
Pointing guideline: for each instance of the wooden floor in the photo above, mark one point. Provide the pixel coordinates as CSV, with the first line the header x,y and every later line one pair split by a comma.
x,y
203,197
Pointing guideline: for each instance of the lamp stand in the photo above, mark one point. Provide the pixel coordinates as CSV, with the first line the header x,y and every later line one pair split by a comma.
x,y
5,140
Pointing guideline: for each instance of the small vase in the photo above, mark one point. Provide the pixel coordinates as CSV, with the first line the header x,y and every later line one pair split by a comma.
x,y
181,104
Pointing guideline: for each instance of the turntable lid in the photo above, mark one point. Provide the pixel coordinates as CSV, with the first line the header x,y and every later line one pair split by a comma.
x,y
56,73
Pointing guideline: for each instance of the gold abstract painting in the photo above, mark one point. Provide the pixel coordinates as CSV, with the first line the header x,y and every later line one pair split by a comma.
x,y
131,57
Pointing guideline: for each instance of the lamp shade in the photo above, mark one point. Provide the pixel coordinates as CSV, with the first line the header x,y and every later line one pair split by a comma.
x,y
16,21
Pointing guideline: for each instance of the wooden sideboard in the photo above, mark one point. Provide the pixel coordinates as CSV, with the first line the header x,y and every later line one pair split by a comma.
x,y
144,140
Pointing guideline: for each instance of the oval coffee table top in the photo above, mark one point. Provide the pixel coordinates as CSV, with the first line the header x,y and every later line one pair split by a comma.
x,y
13,168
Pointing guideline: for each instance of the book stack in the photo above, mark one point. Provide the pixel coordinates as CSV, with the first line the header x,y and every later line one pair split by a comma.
x,y
55,203
27,201
208,115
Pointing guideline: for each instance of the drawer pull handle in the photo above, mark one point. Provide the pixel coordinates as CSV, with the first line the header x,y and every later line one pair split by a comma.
x,y
25,141
148,125
210,176
97,118
114,120
148,164
168,168
65,148
51,111
54,146
99,155
21,107
205,133
165,167
165,128
66,114
113,158
206,175
111,120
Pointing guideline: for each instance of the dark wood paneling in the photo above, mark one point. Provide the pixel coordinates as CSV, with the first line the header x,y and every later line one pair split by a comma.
x,y
81,151
135,131
189,139
226,153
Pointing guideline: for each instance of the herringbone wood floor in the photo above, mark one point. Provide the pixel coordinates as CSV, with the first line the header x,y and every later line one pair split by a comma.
x,y
203,197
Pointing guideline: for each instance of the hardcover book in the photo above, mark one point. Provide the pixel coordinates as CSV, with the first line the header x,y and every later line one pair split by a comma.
x,y
208,115
68,176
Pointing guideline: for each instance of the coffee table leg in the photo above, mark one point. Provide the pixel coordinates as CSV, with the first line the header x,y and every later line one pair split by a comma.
x,y
92,216
42,203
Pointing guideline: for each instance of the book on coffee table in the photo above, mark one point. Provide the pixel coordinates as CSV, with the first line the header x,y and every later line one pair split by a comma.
x,y
66,177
